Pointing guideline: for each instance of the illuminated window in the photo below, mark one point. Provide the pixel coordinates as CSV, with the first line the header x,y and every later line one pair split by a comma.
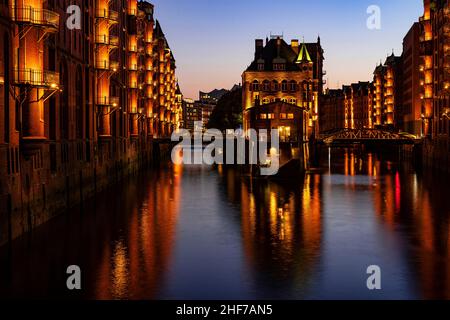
x,y
255,86
263,116
290,116
283,116
271,116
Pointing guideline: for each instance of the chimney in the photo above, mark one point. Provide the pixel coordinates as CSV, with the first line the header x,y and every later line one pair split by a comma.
x,y
259,44
278,46
295,45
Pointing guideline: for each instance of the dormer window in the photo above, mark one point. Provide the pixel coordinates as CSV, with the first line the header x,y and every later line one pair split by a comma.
x,y
261,67
279,67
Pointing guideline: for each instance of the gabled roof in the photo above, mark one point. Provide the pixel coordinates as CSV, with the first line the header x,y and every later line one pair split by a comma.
x,y
272,52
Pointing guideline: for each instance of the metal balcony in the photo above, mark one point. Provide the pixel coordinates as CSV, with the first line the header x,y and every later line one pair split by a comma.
x,y
36,17
102,64
106,14
108,101
36,78
102,39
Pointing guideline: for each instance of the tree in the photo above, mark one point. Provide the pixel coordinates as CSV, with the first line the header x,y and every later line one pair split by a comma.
x,y
228,112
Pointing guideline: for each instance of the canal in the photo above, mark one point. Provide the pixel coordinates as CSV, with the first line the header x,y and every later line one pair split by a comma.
x,y
197,232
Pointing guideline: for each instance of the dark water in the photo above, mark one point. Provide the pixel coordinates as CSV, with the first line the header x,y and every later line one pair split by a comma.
x,y
204,233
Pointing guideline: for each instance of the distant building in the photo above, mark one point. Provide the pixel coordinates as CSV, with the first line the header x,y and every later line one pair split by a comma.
x,y
206,110
212,97
191,113
281,89
351,107
358,105
332,111
388,92
410,116
177,113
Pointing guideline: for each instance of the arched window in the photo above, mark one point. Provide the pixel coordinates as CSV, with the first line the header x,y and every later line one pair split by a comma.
x,y
266,85
255,86
275,86
284,86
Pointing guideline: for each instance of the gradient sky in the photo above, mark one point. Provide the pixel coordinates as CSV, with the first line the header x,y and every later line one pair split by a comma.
x,y
213,40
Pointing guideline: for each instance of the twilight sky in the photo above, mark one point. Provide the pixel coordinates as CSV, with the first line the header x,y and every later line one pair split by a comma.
x,y
213,40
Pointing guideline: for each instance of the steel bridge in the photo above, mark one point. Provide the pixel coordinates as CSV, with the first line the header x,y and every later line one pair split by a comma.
x,y
352,136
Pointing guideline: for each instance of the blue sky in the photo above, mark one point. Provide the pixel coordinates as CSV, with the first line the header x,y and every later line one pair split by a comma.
x,y
213,40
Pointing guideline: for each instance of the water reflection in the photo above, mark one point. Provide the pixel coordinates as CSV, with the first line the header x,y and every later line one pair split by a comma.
x,y
281,231
202,232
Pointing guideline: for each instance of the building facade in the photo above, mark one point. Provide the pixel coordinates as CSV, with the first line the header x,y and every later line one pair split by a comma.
x,y
388,92
435,67
435,77
410,116
332,111
192,113
358,106
281,75
78,107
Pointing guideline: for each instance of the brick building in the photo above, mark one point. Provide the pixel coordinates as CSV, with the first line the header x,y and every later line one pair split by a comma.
x,y
332,115
281,80
435,76
388,92
78,108
410,116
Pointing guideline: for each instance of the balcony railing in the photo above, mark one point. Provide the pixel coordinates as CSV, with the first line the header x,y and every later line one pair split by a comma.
x,y
38,17
132,84
102,39
102,64
107,14
108,101
37,78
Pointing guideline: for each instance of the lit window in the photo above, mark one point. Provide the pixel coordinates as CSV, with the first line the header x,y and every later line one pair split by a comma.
x,y
255,86
282,116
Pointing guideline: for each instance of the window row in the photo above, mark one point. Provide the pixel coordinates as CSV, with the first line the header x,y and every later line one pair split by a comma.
x,y
271,116
285,85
